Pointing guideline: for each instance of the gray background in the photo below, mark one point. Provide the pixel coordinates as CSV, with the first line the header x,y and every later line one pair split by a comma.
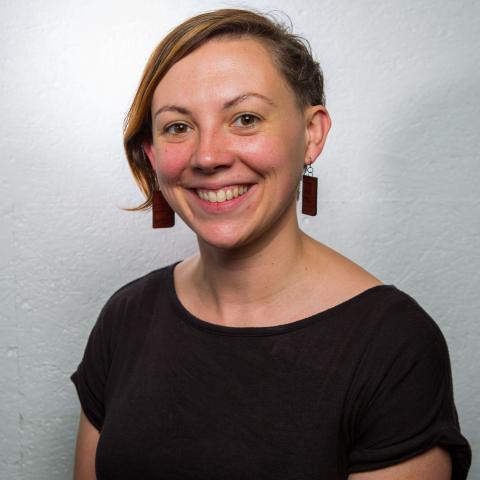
x,y
398,183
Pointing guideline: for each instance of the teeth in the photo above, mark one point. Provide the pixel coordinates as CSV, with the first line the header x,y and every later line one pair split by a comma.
x,y
223,194
212,197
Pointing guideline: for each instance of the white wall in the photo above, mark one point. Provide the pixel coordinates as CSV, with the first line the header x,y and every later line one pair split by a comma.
x,y
398,183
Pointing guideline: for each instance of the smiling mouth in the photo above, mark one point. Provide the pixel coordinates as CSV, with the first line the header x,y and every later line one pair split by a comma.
x,y
223,194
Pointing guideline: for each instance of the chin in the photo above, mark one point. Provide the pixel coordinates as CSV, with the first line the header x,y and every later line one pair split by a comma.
x,y
224,243
224,239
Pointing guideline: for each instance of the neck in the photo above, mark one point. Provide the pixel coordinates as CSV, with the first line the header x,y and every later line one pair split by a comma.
x,y
242,280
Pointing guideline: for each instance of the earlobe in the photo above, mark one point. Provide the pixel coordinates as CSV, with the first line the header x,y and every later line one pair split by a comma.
x,y
149,153
318,126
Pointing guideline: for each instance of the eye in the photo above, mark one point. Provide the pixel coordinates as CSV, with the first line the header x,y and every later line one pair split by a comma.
x,y
246,120
176,129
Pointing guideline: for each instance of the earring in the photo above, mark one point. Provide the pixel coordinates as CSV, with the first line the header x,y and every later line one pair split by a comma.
x,y
162,213
309,191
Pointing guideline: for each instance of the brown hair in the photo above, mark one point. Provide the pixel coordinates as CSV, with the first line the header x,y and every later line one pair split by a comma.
x,y
290,53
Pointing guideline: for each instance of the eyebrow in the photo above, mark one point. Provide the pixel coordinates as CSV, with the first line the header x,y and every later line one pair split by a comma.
x,y
230,103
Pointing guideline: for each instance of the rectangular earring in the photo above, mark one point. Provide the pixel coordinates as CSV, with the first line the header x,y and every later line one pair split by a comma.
x,y
309,192
162,213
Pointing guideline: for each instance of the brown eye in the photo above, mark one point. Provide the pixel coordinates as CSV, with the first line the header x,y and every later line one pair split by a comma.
x,y
176,129
246,120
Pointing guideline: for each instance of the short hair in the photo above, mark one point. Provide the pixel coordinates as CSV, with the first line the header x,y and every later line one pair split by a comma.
x,y
291,54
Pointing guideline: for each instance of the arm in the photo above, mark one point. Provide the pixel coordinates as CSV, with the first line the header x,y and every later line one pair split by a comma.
x,y
435,464
87,439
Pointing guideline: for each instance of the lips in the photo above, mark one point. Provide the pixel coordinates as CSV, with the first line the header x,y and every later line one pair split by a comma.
x,y
222,194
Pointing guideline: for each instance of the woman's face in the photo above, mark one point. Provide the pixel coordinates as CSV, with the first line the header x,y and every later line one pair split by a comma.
x,y
229,141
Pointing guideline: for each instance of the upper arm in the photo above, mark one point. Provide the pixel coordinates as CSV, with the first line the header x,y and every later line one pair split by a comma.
x,y
402,402
87,439
435,464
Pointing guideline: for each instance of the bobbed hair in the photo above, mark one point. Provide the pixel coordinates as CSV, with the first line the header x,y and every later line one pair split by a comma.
x,y
291,54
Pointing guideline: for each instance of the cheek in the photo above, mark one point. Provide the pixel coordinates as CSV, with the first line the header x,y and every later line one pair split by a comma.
x,y
171,160
271,152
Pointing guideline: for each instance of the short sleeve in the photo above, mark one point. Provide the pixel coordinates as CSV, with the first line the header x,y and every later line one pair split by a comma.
x,y
91,374
404,402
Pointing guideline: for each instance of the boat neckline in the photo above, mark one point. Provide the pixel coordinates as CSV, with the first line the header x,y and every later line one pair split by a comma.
x,y
265,330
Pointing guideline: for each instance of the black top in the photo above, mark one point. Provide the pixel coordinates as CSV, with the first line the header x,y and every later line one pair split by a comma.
x,y
361,386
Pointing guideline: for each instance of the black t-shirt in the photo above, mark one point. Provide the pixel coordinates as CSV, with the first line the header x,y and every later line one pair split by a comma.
x,y
361,386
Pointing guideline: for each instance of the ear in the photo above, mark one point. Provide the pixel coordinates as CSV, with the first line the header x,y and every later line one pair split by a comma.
x,y
150,153
317,123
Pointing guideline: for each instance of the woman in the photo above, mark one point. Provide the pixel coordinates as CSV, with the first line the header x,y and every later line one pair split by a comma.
x,y
267,354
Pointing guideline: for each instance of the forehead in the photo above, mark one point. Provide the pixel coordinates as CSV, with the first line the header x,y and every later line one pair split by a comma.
x,y
222,68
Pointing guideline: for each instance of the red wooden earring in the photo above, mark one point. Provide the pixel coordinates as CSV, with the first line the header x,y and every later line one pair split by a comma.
x,y
309,192
162,213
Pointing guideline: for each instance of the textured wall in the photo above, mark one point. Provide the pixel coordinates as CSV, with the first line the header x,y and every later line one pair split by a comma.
x,y
398,183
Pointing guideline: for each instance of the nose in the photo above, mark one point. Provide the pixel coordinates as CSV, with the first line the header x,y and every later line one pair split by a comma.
x,y
211,152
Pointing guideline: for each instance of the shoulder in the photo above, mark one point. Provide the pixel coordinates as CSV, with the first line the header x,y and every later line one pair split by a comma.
x,y
389,325
334,278
389,312
402,319
141,288
399,343
135,300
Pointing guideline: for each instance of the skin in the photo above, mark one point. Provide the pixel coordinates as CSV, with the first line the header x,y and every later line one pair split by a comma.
x,y
218,147
253,259
86,447
253,262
